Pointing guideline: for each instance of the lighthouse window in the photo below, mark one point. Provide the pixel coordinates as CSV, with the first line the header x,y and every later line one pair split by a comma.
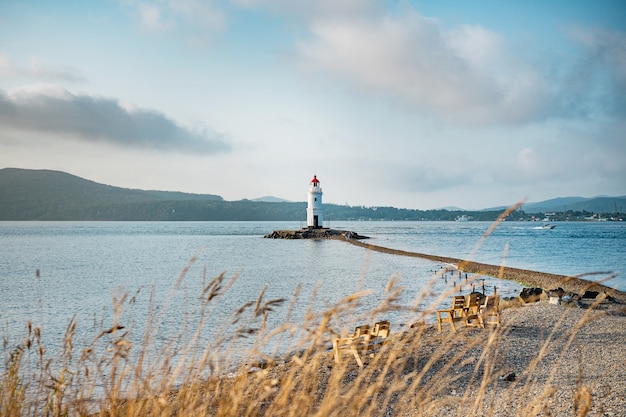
x,y
315,198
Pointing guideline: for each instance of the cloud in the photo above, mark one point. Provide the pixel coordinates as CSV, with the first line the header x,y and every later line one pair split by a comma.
x,y
316,9
38,69
464,75
197,20
605,45
599,72
551,156
467,74
56,111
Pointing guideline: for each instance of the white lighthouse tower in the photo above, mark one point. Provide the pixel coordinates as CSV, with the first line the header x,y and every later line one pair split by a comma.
x,y
314,217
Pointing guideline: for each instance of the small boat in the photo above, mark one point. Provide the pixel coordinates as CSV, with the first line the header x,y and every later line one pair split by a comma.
x,y
463,218
546,226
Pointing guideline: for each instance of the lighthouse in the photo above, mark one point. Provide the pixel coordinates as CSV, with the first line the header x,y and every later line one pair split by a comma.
x,y
314,217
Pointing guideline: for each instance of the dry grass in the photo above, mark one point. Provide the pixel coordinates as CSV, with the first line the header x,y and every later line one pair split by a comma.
x,y
420,373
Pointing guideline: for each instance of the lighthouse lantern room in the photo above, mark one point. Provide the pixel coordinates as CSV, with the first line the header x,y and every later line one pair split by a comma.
x,y
314,217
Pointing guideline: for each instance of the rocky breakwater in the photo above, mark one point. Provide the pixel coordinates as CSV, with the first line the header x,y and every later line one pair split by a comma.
x,y
558,296
312,233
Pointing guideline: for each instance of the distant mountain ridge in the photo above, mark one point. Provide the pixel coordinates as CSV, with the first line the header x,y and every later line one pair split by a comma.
x,y
600,204
54,195
271,199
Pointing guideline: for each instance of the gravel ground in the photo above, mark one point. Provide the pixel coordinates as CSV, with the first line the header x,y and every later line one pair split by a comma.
x,y
544,360
555,352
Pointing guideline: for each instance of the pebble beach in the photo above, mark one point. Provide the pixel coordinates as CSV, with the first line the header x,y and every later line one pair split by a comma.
x,y
544,359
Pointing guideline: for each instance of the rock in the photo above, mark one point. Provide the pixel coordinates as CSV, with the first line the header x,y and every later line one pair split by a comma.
x,y
570,296
508,302
532,295
571,300
557,292
509,377
554,300
590,294
598,296
602,296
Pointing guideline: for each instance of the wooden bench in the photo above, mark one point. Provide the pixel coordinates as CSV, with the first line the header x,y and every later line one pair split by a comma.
x,y
364,340
466,309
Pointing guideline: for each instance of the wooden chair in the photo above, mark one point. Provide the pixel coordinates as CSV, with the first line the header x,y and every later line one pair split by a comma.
x,y
490,310
362,331
363,340
450,315
472,310
353,344
378,336
381,329
347,345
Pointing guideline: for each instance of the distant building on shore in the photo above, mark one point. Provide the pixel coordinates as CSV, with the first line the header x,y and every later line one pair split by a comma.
x,y
314,216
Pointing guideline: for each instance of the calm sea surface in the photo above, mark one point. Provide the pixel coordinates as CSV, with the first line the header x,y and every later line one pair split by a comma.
x,y
53,271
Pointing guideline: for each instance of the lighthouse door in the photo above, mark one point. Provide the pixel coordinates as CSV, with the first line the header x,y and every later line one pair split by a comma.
x,y
316,221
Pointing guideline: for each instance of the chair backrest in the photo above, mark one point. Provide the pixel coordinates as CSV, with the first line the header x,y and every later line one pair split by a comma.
x,y
492,303
473,300
458,302
458,306
362,330
381,329
473,305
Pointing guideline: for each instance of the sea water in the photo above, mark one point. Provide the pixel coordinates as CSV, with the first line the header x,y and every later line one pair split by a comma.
x,y
53,272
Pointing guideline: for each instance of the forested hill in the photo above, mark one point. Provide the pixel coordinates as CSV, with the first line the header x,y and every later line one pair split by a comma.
x,y
54,195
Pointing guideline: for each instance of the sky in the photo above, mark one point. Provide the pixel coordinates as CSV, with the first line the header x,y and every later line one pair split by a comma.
x,y
410,104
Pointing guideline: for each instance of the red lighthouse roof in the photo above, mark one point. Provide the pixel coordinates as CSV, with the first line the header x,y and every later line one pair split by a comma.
x,y
314,180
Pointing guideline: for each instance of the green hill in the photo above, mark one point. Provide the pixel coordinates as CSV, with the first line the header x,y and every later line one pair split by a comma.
x,y
54,195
